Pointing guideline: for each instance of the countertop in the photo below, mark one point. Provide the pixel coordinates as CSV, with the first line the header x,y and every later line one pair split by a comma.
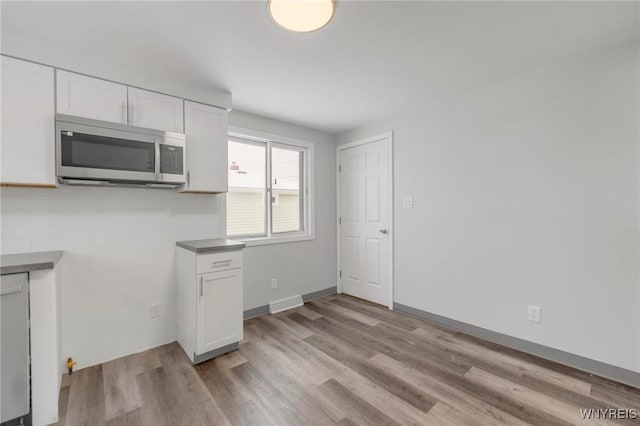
x,y
25,262
211,246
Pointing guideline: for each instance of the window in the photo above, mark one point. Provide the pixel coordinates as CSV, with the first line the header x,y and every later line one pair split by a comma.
x,y
269,199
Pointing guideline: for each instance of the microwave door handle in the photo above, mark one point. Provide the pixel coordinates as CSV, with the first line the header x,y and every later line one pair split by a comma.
x,y
157,162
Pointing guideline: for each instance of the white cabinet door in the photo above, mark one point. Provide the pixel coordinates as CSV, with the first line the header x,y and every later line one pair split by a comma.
x,y
91,97
219,309
28,123
206,130
155,111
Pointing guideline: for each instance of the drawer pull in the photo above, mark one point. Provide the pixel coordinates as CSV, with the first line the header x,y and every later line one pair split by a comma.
x,y
212,262
201,288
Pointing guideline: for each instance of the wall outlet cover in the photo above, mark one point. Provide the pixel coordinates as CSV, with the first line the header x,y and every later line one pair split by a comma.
x,y
534,313
407,203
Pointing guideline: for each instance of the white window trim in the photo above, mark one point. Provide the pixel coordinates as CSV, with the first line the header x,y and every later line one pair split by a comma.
x,y
289,237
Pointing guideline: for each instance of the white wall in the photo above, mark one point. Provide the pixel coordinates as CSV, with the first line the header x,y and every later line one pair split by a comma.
x,y
119,251
119,243
527,192
301,267
118,259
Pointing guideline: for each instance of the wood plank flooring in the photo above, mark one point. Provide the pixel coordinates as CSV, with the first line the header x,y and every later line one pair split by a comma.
x,y
340,360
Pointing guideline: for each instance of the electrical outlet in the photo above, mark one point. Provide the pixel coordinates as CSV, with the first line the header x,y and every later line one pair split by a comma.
x,y
274,283
534,313
155,310
407,203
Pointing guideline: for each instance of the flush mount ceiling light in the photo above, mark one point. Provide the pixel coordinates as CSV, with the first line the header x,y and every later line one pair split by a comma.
x,y
302,16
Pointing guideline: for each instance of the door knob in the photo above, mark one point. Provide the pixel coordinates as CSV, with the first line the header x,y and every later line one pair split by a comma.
x,y
384,231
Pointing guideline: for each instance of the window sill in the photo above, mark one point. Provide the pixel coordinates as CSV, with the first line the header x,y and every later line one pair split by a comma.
x,y
263,241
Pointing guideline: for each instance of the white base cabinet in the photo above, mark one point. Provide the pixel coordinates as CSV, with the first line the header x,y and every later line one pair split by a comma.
x,y
210,307
33,350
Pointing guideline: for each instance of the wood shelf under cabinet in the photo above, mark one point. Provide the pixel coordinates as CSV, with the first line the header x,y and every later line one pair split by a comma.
x,y
28,185
203,192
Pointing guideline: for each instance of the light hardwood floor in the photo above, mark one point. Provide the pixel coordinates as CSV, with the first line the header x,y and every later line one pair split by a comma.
x,y
340,360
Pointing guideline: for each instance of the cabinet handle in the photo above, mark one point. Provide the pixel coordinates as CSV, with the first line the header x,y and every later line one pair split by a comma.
x,y
125,115
201,288
221,263
132,108
10,290
188,177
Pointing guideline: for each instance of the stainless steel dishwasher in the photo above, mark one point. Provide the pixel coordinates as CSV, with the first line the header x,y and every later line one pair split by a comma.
x,y
14,347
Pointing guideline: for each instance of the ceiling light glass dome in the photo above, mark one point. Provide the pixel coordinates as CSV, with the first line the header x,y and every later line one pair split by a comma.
x,y
302,16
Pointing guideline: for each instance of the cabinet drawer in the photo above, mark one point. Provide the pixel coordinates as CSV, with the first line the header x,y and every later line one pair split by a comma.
x,y
218,261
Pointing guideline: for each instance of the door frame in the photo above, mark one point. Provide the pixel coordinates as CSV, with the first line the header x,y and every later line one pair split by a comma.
x,y
388,136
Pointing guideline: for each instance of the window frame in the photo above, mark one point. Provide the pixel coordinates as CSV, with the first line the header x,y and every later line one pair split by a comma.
x,y
307,191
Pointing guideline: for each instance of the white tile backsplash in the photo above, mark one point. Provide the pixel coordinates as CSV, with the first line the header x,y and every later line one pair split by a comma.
x,y
119,259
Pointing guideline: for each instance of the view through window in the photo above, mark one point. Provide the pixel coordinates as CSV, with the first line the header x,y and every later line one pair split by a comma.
x,y
266,189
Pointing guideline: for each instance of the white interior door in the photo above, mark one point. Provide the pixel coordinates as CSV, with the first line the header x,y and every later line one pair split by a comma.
x,y
365,220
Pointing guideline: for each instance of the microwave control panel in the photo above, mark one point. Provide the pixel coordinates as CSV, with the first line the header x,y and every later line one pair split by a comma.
x,y
171,159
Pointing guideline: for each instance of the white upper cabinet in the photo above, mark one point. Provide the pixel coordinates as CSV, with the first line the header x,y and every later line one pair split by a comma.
x,y
28,132
155,111
91,97
103,100
206,130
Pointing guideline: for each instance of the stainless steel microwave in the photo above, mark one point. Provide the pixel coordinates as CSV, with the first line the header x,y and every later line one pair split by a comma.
x,y
93,152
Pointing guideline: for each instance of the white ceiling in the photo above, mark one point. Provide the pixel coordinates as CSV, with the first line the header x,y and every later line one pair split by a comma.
x,y
373,59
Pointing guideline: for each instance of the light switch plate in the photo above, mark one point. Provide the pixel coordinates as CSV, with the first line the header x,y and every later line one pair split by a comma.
x,y
407,203
155,310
